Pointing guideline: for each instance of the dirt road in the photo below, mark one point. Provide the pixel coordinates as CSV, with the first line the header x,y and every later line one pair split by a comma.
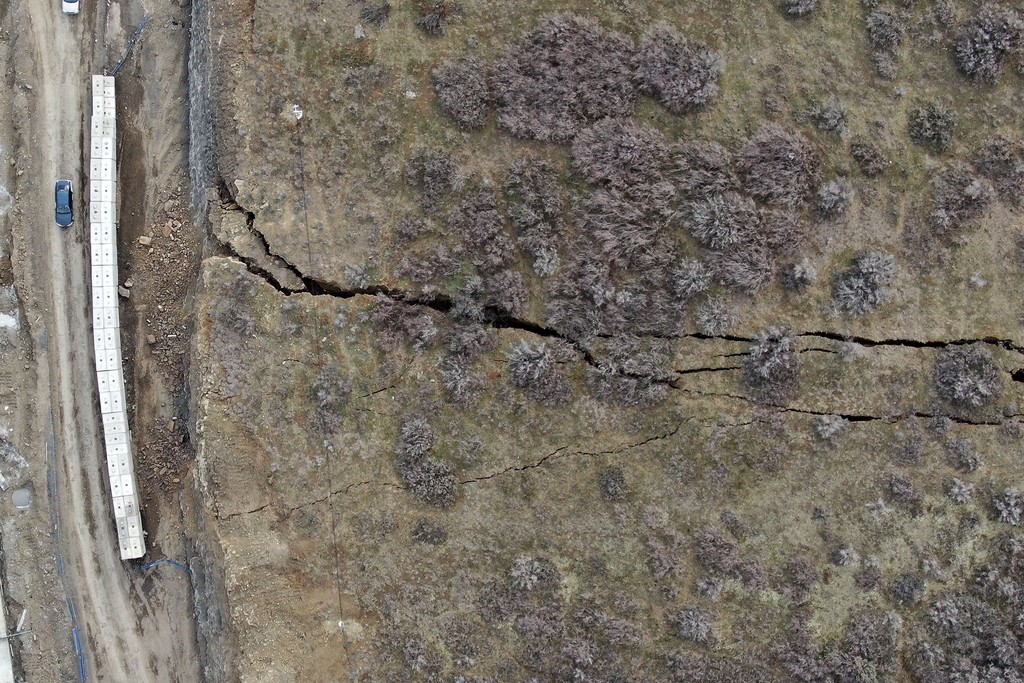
x,y
132,630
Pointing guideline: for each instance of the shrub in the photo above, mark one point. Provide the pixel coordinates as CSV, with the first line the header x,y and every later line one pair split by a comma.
x,y
534,203
414,442
619,153
830,116
1002,162
985,42
330,393
864,286
533,368
579,293
435,173
1009,507
722,220
960,492
799,276
431,480
717,552
429,532
799,8
534,574
771,372
967,376
746,267
907,589
802,577
779,166
834,197
830,427
682,74
375,15
632,371
479,224
565,74
903,492
626,222
958,197
695,624
872,635
782,231
425,266
613,484
689,279
702,169
714,317
469,340
932,126
962,455
395,322
461,89
868,157
434,14
885,30
506,292
710,587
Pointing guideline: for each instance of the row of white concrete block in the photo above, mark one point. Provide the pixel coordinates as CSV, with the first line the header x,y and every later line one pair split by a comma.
x,y
106,319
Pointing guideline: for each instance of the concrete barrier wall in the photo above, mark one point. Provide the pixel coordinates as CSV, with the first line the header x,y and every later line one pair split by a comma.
x,y
106,324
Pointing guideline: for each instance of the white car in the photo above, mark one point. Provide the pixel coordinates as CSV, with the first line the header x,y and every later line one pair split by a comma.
x,y
70,6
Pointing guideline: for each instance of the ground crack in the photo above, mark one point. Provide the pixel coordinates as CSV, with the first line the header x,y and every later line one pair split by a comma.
x,y
850,417
563,452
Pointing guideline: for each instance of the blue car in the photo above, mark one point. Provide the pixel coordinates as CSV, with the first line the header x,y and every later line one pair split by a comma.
x,y
63,196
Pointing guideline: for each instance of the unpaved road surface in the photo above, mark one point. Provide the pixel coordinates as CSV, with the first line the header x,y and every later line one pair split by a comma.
x,y
132,629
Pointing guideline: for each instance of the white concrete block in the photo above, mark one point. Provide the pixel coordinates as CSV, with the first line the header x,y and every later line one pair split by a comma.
x,y
117,399
128,484
105,402
111,419
110,317
106,150
118,507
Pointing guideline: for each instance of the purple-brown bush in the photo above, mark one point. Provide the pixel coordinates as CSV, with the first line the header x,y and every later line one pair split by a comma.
x,y
779,166
681,73
462,91
566,73
987,40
